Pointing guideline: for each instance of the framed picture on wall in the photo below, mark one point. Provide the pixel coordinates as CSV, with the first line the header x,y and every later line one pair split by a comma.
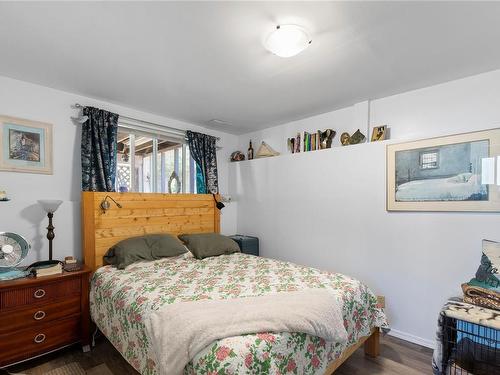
x,y
454,173
379,133
25,146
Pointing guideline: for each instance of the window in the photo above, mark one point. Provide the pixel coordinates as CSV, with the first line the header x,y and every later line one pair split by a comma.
x,y
429,159
150,163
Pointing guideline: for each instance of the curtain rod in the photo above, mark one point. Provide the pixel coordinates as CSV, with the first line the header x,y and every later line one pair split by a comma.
x,y
79,106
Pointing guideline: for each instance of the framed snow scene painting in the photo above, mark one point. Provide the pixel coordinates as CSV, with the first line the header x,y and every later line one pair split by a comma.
x,y
454,173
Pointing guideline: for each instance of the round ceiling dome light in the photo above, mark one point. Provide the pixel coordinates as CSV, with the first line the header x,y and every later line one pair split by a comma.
x,y
287,40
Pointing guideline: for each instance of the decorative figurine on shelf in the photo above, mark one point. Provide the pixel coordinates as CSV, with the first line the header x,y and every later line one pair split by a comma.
x,y
266,151
250,151
290,144
354,139
326,138
237,156
344,138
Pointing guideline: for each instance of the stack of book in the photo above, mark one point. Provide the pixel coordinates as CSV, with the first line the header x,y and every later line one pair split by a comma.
x,y
50,270
312,141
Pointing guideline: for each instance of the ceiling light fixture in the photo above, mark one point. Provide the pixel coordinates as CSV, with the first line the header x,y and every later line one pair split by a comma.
x,y
287,40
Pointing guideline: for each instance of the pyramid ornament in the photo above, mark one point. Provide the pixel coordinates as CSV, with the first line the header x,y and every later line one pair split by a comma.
x,y
266,151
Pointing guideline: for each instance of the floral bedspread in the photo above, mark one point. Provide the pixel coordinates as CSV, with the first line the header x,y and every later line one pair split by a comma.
x,y
121,299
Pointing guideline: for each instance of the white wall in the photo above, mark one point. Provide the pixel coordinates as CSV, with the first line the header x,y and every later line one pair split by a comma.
x,y
22,214
327,208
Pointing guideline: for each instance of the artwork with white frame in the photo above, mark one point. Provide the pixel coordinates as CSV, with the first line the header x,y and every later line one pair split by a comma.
x,y
25,145
453,173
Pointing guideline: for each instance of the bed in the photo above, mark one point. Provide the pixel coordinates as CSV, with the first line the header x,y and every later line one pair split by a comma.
x,y
121,299
462,187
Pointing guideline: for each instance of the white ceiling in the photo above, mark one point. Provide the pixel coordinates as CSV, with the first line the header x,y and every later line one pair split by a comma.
x,y
205,60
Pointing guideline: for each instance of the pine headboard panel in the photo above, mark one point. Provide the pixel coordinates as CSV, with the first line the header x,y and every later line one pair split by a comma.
x,y
142,213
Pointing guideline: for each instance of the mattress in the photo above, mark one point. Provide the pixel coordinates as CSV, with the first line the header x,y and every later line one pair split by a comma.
x,y
120,301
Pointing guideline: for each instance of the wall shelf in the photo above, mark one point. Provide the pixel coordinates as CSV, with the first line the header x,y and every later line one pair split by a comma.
x,y
313,152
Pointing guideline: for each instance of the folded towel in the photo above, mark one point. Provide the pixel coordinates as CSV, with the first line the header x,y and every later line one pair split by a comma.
x,y
481,296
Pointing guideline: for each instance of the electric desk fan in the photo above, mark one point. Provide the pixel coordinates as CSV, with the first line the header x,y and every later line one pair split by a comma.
x,y
13,249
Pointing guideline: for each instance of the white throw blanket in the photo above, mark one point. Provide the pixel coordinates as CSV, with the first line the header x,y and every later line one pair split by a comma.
x,y
179,331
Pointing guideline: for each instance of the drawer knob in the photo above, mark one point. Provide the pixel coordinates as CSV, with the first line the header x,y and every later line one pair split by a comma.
x,y
39,293
39,315
39,338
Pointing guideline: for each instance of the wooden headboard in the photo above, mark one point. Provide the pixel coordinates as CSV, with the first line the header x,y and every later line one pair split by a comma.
x,y
142,213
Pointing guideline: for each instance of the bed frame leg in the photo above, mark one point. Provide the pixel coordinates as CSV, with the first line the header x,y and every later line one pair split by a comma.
x,y
372,345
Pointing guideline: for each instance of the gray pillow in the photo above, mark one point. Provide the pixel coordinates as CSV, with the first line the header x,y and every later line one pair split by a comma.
x,y
148,247
204,245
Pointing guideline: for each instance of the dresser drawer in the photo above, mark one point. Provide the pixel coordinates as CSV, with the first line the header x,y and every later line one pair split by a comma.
x,y
36,340
40,293
35,316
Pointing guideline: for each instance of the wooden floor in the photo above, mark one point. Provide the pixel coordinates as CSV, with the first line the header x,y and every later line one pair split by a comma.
x,y
397,357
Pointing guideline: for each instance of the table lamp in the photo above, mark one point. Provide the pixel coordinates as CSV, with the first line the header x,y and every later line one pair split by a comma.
x,y
50,206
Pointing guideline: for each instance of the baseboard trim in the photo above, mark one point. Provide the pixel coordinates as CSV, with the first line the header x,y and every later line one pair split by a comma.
x,y
412,338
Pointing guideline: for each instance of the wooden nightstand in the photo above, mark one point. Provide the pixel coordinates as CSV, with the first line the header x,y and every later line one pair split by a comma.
x,y
39,315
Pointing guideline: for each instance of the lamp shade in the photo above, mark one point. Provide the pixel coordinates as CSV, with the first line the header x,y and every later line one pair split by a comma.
x,y
50,205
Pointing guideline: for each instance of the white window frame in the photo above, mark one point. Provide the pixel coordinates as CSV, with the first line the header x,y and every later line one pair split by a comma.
x,y
155,133
427,165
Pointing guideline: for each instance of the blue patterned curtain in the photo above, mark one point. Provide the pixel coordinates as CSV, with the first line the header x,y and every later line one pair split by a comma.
x,y
204,152
99,135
